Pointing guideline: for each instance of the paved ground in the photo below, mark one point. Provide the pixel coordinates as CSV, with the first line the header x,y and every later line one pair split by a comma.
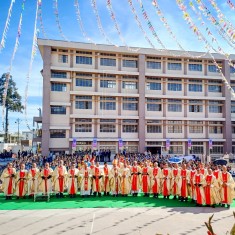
x,y
120,221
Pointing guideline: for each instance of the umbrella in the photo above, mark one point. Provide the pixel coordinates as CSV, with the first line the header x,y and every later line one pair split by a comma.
x,y
220,162
174,160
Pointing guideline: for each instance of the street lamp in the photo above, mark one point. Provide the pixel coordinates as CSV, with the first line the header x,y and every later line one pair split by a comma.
x,y
18,133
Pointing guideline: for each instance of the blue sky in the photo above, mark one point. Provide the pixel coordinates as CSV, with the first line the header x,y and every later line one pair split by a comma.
x,y
69,24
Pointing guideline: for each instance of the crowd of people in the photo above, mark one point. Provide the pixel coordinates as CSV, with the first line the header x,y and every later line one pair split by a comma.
x,y
130,174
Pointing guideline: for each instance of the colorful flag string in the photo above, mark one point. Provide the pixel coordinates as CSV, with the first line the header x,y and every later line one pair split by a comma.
x,y
231,5
33,53
80,22
113,18
6,84
56,12
212,19
41,19
98,20
200,37
7,24
169,30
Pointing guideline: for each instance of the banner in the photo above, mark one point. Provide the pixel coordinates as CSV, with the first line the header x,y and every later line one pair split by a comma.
x,y
74,143
168,143
94,143
189,143
120,143
210,143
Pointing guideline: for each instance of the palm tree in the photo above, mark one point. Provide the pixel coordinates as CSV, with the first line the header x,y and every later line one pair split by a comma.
x,y
13,99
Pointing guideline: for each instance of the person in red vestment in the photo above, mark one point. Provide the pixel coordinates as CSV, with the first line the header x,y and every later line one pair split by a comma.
x,y
135,179
106,182
217,172
72,180
156,177
166,181
60,174
145,179
191,187
45,185
211,189
97,174
8,181
21,182
227,187
175,189
33,175
199,182
183,182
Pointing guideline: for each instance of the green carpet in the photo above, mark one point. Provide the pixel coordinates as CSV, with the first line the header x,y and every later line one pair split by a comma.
x,y
92,202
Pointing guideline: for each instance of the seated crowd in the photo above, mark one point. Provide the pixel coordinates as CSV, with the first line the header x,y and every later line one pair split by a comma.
x,y
208,184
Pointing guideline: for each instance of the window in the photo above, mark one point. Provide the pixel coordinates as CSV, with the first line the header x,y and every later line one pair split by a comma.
x,y
174,126
154,129
195,87
195,106
107,127
174,66
83,82
129,85
232,69
63,58
197,148
57,74
83,125
130,126
154,104
216,127
83,60
153,65
174,87
217,148
108,103
129,63
215,106
83,102
213,68
232,106
130,103
107,62
153,86
195,127
58,109
214,88
174,105
57,133
58,87
176,148
108,84
195,67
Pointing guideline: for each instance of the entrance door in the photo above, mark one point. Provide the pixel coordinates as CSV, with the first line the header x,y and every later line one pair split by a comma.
x,y
154,150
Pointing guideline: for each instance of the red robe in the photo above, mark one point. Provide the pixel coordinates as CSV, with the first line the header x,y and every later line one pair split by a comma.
x,y
145,180
197,188
216,174
61,179
97,180
46,174
72,189
225,180
184,192
175,174
106,178
208,190
21,183
165,190
10,185
155,188
134,182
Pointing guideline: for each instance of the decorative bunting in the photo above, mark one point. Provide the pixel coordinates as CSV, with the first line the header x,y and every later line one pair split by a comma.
x,y
231,5
101,29
33,53
56,12
112,15
79,19
11,62
40,19
7,24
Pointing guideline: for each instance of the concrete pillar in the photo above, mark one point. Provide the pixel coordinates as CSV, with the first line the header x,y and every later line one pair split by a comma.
x,y
227,129
45,100
141,103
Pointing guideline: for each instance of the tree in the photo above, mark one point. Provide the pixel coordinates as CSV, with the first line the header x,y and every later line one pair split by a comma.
x,y
13,99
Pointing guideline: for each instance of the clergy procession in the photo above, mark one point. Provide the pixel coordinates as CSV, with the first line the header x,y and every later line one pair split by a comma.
x,y
191,182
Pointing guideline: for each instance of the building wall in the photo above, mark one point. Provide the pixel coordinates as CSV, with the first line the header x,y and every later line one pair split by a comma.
x,y
157,97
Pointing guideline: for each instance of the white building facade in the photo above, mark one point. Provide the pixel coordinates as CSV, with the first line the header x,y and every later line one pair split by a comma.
x,y
113,98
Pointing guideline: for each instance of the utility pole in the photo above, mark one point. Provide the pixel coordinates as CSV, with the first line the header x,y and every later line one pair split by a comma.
x,y
18,133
